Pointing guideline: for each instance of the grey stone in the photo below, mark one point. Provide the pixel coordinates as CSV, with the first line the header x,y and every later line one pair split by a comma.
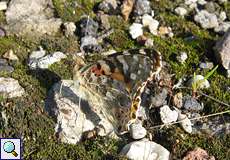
x,y
32,18
192,104
145,150
89,27
159,99
142,7
185,122
222,16
90,44
137,131
10,88
104,21
108,6
222,50
6,69
206,20
3,61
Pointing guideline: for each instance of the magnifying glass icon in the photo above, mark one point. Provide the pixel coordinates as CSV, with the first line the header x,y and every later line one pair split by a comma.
x,y
9,147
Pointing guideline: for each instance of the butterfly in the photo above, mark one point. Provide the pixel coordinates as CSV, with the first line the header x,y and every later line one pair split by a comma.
x,y
114,85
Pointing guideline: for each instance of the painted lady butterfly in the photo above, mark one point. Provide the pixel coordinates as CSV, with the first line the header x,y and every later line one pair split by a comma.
x,y
115,84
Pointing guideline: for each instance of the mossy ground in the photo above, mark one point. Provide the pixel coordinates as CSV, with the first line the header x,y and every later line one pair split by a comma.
x,y
27,118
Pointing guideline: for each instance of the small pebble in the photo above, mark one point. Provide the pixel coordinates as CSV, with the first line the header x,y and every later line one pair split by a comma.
x,y
137,131
185,122
182,57
181,11
6,69
188,2
69,29
167,115
222,16
142,7
206,20
136,30
178,100
108,6
149,42
88,27
191,104
228,73
201,2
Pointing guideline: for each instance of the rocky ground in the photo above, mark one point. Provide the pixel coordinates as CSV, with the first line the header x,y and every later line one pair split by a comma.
x,y
39,42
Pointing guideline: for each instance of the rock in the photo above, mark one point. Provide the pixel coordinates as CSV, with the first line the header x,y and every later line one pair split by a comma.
x,y
3,61
151,23
185,122
68,103
10,55
210,7
222,1
3,5
136,30
178,100
206,65
193,6
69,29
222,50
137,131
37,54
222,16
90,44
167,115
127,8
159,99
191,104
206,20
223,27
198,154
44,62
181,11
104,21
149,42
188,2
201,2
108,6
2,32
32,18
200,82
182,57
10,88
89,27
6,69
215,126
145,150
142,7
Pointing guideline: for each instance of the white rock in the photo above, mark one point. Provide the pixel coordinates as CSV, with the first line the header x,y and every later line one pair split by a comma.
x,y
181,11
182,57
222,16
137,131
136,30
199,79
228,73
68,104
37,61
37,54
3,6
201,2
146,20
167,115
153,27
188,2
185,122
206,20
69,28
145,150
10,88
149,42
223,27
193,6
